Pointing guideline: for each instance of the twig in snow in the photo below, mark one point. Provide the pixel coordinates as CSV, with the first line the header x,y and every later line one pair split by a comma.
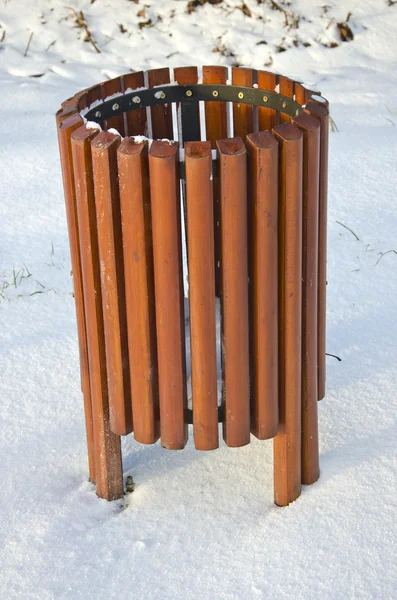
x,y
383,254
333,125
3,35
28,44
81,23
333,356
348,229
287,14
50,45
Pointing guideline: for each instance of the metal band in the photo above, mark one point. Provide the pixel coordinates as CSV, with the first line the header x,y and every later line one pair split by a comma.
x,y
188,94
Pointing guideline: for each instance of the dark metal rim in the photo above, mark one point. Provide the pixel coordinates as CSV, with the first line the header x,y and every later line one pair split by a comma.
x,y
190,94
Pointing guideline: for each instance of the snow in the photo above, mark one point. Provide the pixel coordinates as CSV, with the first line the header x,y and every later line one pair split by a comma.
x,y
93,125
199,525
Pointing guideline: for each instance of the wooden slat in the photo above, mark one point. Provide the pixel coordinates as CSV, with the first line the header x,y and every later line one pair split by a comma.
x,y
94,93
137,118
287,88
310,128
82,99
168,277
263,275
216,129
234,296
64,112
104,159
287,443
300,94
111,87
215,112
320,112
65,129
243,114
109,480
139,287
267,117
162,114
200,233
190,114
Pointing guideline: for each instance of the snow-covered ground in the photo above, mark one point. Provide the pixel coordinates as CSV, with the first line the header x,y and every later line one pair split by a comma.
x,y
199,525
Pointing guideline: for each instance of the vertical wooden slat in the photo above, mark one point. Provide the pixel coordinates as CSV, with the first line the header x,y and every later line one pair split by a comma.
x,y
200,233
243,114
111,87
287,443
267,117
162,114
320,112
190,113
287,88
310,128
168,277
64,112
300,93
234,296
109,480
215,112
82,99
216,129
104,159
263,275
136,120
94,93
139,287
65,129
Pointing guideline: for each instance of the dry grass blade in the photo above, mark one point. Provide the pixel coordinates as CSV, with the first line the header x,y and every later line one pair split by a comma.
x,y
348,229
28,44
81,23
384,253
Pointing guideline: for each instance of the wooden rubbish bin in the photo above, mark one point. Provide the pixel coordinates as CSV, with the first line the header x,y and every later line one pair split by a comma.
x,y
237,175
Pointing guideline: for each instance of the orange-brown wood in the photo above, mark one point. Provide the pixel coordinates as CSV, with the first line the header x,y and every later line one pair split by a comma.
x,y
262,150
310,128
185,75
234,296
320,112
65,129
243,114
139,287
64,112
216,129
300,93
287,444
104,159
200,230
315,97
267,117
170,322
215,112
287,88
114,86
162,114
108,469
95,93
82,99
136,120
